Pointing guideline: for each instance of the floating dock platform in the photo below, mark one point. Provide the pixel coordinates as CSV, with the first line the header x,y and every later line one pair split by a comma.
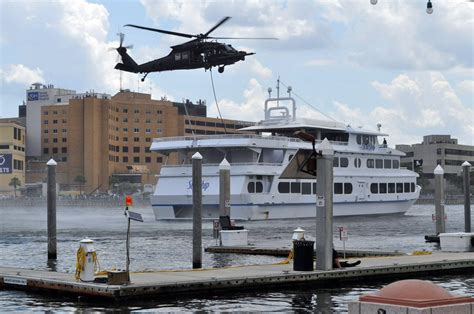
x,y
203,281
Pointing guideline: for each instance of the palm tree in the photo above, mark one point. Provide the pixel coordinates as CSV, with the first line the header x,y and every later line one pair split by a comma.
x,y
80,179
15,182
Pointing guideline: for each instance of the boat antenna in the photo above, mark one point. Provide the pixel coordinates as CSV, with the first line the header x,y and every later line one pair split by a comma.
x,y
302,99
278,91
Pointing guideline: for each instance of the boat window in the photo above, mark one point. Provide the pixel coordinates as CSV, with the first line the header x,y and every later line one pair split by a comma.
x,y
374,188
370,163
289,157
295,187
305,188
259,177
378,163
383,188
344,162
347,188
335,162
337,188
412,186
258,187
359,139
406,187
284,187
314,188
357,162
395,164
387,163
399,187
391,188
251,187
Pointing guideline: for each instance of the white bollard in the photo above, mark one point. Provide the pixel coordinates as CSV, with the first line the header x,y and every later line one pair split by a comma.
x,y
87,272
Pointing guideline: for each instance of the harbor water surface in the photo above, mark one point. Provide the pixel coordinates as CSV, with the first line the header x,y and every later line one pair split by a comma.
x,y
160,245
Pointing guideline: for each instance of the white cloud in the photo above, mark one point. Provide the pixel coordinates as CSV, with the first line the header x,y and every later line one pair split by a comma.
x,y
466,86
20,74
415,105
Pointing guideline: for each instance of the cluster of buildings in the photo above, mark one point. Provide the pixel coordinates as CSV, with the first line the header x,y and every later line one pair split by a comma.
x,y
97,139
101,140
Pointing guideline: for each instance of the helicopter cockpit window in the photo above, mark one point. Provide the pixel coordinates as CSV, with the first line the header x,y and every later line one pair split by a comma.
x,y
177,56
185,55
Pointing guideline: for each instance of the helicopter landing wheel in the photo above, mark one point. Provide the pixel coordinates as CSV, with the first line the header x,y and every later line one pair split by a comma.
x,y
221,69
144,77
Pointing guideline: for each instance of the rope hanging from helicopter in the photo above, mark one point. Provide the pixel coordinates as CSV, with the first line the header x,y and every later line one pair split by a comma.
x,y
215,99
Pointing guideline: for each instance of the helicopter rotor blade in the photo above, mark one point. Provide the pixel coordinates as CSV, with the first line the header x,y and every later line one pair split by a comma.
x,y
225,19
122,37
129,47
161,31
258,38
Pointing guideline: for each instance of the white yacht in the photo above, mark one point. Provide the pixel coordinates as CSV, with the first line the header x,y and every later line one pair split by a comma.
x,y
368,178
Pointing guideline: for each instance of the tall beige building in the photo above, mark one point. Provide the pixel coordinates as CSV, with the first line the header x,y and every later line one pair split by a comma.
x,y
12,153
99,138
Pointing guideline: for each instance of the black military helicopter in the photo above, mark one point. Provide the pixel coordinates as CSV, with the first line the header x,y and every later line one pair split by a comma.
x,y
201,52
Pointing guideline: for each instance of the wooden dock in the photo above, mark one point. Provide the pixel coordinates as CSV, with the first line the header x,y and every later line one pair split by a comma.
x,y
165,283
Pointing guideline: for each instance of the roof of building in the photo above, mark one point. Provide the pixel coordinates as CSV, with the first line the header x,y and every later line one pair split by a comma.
x,y
20,121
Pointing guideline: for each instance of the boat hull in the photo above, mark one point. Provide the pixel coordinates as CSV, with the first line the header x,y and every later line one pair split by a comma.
x,y
282,211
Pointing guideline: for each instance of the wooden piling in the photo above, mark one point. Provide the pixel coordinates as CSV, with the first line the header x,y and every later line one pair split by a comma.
x,y
197,210
224,188
467,196
439,199
51,207
324,206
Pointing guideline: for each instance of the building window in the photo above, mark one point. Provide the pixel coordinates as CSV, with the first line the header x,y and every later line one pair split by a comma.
x,y
124,149
136,159
125,129
64,130
159,121
148,159
45,150
147,149
125,120
45,113
55,112
124,159
45,131
64,150
148,139
125,110
45,122
64,140
45,140
147,130
136,149
55,121
159,159
64,121
136,130
136,139
147,121
125,139
136,111
148,111
159,112
136,120
55,150
55,140
55,130
159,131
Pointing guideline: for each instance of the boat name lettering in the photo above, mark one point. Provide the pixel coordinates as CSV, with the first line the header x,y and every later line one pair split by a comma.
x,y
204,184
367,146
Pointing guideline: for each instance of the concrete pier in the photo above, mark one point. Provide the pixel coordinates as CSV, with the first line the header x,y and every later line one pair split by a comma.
x,y
186,282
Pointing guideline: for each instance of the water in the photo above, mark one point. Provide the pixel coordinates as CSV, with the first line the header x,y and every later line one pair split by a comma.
x,y
167,245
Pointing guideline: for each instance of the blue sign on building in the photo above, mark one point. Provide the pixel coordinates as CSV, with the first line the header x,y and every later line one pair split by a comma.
x,y
6,163
33,96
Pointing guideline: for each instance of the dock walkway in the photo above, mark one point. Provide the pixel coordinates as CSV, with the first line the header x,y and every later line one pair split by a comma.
x,y
162,283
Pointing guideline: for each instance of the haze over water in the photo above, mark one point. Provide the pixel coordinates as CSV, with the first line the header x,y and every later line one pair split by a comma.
x,y
168,245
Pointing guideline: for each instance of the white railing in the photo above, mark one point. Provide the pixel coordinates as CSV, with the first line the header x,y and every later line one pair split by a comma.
x,y
235,164
236,136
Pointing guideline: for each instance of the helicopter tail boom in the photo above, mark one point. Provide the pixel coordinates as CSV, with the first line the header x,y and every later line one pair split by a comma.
x,y
128,64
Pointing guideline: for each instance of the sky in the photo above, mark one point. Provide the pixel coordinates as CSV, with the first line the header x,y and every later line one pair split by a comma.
x,y
361,64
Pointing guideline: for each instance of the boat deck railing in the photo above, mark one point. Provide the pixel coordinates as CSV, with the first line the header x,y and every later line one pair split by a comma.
x,y
236,136
234,164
